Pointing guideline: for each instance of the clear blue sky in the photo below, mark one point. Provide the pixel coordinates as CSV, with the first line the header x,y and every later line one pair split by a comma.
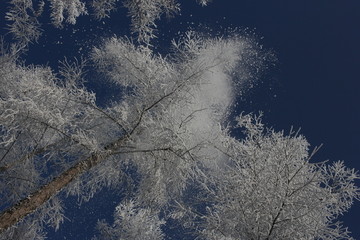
x,y
314,84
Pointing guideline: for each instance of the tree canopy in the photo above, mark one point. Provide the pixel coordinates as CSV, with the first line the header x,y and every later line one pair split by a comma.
x,y
167,138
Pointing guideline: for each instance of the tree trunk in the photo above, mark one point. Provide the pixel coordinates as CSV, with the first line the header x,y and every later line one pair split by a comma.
x,y
28,205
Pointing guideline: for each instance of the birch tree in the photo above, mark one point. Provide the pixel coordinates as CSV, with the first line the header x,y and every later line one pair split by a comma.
x,y
162,125
169,124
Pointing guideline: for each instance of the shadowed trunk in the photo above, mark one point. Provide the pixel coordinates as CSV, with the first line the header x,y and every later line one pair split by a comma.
x,y
28,205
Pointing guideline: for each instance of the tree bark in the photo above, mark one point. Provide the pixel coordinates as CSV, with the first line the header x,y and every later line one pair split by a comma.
x,y
28,205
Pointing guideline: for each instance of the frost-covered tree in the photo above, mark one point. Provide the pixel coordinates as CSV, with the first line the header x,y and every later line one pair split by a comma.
x,y
23,15
171,109
168,126
270,189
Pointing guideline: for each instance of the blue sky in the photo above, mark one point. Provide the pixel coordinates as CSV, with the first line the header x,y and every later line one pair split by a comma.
x,y
313,85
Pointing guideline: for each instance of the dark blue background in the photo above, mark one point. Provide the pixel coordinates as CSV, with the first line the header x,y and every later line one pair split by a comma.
x,y
314,85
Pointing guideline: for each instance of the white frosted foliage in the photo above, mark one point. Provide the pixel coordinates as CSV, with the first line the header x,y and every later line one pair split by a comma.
x,y
166,142
132,222
271,190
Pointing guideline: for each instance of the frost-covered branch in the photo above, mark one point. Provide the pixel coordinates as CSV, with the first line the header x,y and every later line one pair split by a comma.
x,y
24,15
132,222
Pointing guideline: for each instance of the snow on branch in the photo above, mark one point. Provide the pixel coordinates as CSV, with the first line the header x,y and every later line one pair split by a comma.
x,y
23,15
